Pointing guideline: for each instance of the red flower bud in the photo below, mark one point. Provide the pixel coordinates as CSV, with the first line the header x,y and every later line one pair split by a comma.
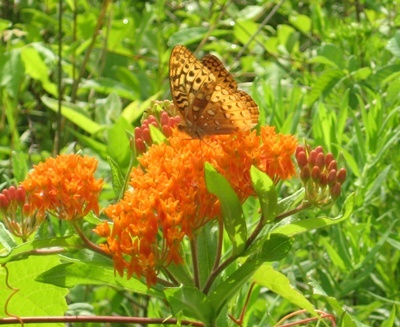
x,y
20,194
332,165
320,161
138,133
335,191
316,174
140,146
301,159
332,177
313,157
146,135
328,159
3,201
341,175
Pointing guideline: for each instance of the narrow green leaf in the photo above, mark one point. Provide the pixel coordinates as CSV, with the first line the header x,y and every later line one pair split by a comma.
x,y
280,284
37,69
118,146
6,239
273,249
117,178
20,167
266,192
390,322
298,227
25,250
80,273
12,72
234,222
191,302
71,112
107,86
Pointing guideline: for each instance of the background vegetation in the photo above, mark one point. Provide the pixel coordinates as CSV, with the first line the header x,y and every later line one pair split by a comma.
x,y
326,71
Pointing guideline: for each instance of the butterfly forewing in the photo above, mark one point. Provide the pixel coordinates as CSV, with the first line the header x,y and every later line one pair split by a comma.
x,y
206,96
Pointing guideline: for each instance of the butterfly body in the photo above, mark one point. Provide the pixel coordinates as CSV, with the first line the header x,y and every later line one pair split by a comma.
x,y
206,96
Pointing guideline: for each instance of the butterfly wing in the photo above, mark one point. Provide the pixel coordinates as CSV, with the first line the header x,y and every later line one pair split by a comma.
x,y
206,96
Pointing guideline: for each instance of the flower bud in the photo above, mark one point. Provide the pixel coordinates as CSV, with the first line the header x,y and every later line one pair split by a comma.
x,y
341,175
313,157
140,146
320,161
301,159
20,194
332,165
328,159
335,191
332,177
316,174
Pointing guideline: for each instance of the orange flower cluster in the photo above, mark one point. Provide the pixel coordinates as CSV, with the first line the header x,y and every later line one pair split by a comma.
x,y
169,198
64,186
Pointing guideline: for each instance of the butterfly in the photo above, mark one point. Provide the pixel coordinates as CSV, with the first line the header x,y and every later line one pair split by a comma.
x,y
206,97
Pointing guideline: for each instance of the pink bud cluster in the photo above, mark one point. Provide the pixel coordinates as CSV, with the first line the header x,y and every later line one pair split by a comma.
x,y
320,175
165,123
18,215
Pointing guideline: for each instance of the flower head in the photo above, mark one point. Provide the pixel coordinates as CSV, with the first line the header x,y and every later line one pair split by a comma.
x,y
20,218
64,186
169,199
319,173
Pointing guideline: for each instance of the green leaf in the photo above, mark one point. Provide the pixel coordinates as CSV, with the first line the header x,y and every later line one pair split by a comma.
x,y
80,273
37,69
324,84
302,226
117,178
156,135
118,146
234,222
191,35
6,239
20,167
12,72
279,284
390,322
272,249
206,241
394,44
107,86
191,302
72,113
301,22
26,249
266,193
31,298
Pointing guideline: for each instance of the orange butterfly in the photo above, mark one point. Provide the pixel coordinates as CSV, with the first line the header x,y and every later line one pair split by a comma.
x,y
206,96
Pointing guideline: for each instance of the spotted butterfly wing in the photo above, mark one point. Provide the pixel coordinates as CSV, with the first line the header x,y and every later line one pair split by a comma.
x,y
206,96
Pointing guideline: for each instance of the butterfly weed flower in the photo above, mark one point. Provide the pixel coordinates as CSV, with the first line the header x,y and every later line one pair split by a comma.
x,y
320,175
64,186
18,215
169,200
